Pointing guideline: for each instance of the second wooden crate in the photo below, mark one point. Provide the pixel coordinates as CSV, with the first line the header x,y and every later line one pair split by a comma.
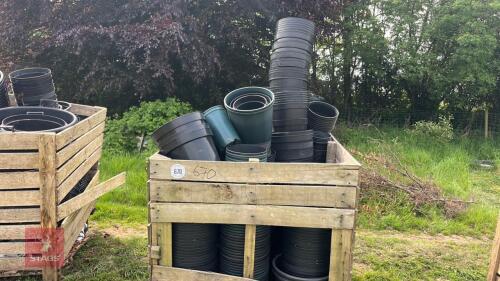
x,y
314,195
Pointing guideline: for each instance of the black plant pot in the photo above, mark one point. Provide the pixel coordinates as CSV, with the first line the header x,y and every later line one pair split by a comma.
x,y
280,274
35,119
32,84
289,84
322,116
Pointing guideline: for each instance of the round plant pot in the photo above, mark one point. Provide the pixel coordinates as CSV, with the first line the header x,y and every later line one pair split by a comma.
x,y
281,275
31,84
177,122
224,131
202,148
36,119
322,116
296,21
254,125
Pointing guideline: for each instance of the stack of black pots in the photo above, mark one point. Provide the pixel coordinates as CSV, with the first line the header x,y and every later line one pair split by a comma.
x,y
232,238
4,97
293,146
30,85
189,137
306,252
232,249
320,140
289,72
244,152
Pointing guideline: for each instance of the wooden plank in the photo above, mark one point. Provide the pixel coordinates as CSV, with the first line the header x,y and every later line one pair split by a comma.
x,y
84,110
19,141
66,153
153,240
18,161
253,214
14,198
72,133
228,193
66,186
331,152
19,180
12,100
249,251
163,273
164,236
20,215
11,264
70,166
48,212
74,228
90,195
15,232
341,255
253,172
343,155
20,248
495,256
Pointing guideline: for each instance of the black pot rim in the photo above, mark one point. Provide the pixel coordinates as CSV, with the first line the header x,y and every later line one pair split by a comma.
x,y
325,104
279,272
175,123
45,72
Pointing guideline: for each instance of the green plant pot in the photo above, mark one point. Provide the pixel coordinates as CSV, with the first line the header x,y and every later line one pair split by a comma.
x,y
254,125
224,131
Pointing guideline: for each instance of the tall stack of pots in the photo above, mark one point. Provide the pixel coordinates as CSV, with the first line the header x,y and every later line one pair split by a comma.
x,y
289,72
4,97
30,85
189,137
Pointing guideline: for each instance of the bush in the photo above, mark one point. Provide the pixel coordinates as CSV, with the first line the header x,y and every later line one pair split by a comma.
x,y
441,130
124,134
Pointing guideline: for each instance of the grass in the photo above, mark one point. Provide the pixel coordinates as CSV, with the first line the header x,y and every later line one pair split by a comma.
x,y
446,164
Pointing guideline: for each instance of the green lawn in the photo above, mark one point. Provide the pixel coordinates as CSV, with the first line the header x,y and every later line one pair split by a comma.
x,y
395,241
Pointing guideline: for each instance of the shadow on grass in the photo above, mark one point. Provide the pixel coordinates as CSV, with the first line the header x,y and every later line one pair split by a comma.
x,y
105,258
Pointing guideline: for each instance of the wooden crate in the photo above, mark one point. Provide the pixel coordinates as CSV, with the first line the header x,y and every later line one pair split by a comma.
x,y
316,195
494,272
37,170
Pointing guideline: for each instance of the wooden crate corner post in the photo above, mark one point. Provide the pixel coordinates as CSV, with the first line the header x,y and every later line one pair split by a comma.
x,y
494,271
48,204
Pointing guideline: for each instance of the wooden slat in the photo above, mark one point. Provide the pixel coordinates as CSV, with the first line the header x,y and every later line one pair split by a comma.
x,y
72,224
253,214
48,213
19,198
341,255
15,232
11,264
77,175
19,215
251,172
19,141
331,154
19,180
164,236
19,248
289,195
163,273
70,166
66,153
495,256
343,155
90,195
73,228
72,133
84,110
249,251
18,161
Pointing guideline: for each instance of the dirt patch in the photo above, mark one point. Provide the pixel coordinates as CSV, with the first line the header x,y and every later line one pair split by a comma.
x,y
119,231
